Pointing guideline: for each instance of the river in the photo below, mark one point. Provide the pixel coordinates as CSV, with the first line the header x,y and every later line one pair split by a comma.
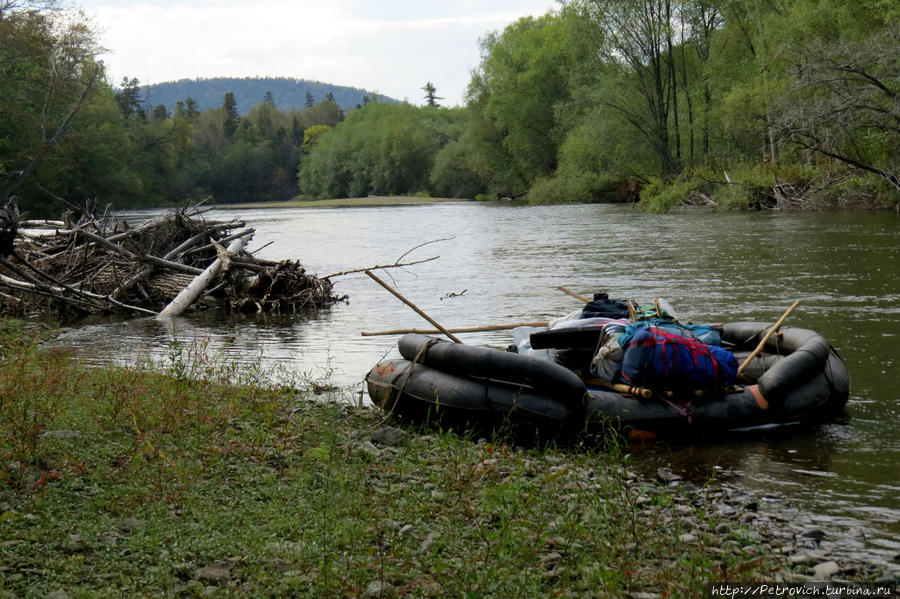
x,y
502,263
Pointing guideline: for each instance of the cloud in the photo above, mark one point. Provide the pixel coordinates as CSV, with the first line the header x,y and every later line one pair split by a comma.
x,y
392,48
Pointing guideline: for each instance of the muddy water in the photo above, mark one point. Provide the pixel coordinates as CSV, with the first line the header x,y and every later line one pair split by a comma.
x,y
501,263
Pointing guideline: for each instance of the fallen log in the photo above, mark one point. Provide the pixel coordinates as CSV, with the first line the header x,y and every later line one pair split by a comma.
x,y
58,293
190,293
42,224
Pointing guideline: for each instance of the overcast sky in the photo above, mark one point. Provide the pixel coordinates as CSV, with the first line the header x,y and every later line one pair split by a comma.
x,y
390,47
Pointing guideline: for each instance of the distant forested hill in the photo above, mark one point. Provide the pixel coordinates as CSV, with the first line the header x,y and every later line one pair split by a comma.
x,y
250,91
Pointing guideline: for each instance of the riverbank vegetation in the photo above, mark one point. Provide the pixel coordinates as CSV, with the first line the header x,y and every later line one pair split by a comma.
x,y
777,104
192,476
786,105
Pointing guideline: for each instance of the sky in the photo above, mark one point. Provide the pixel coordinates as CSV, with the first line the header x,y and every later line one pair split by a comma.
x,y
391,47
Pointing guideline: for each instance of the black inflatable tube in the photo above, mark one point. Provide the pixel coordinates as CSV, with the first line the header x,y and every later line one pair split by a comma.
x,y
804,378
800,375
820,397
553,380
806,353
421,393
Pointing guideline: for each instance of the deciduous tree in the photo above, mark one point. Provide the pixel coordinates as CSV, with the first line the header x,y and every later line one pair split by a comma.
x,y
48,74
844,103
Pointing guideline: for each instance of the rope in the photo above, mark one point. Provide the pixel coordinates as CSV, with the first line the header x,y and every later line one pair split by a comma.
x,y
417,360
682,410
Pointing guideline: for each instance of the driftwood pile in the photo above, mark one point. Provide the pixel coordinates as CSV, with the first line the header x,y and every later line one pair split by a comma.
x,y
159,267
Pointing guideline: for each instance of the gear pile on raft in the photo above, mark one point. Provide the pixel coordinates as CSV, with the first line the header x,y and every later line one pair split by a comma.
x,y
618,363
155,266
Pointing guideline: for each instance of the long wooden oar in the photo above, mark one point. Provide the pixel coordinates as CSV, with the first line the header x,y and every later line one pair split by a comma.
x,y
415,308
762,344
481,329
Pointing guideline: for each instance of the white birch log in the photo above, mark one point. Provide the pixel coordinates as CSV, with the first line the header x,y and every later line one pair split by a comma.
x,y
189,294
59,293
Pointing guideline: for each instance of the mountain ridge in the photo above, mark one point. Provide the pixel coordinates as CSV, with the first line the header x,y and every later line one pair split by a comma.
x,y
287,92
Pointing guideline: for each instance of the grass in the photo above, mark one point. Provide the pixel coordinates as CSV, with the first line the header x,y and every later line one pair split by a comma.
x,y
197,478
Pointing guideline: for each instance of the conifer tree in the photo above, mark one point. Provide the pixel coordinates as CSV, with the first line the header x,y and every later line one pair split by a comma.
x,y
129,97
431,97
230,124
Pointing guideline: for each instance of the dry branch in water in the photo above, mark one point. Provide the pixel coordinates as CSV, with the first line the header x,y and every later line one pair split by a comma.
x,y
105,265
396,264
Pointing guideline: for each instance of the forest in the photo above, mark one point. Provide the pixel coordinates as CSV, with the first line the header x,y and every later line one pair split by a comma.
x,y
288,93
776,104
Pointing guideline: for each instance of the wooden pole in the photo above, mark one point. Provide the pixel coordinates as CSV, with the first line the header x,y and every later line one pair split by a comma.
x,y
641,392
491,327
762,343
573,294
415,308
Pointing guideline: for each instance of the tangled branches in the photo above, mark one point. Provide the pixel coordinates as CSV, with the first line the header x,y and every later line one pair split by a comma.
x,y
104,265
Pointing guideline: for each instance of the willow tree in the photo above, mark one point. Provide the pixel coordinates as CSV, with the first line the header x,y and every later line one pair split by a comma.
x,y
521,90
699,20
638,38
383,149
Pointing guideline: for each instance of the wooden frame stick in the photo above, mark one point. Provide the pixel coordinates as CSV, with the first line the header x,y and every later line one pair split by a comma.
x,y
573,294
641,392
481,329
762,344
415,308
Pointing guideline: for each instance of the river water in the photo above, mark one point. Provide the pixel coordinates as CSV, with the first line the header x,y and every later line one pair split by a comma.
x,y
503,263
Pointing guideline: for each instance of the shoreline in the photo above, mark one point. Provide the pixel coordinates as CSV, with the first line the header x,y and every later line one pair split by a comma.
x,y
233,487
387,201
370,201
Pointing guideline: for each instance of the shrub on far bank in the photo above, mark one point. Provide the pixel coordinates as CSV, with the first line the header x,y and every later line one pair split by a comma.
x,y
574,188
768,186
582,187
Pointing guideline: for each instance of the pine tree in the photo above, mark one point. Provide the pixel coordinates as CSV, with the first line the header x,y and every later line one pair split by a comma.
x,y
230,124
431,97
190,108
129,97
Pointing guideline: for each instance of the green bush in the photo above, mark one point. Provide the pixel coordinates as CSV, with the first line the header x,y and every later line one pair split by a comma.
x,y
660,196
582,187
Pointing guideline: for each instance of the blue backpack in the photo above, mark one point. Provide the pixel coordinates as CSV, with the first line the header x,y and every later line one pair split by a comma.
x,y
658,359
702,332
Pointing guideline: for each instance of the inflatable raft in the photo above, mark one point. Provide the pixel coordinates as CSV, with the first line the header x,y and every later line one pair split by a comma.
x,y
798,378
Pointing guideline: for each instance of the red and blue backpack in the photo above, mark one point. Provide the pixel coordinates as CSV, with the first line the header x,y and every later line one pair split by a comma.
x,y
661,360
